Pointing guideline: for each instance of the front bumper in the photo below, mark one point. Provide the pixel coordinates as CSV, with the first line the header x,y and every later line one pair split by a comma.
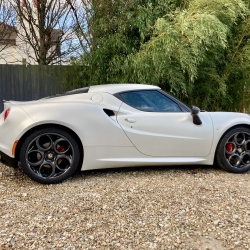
x,y
11,162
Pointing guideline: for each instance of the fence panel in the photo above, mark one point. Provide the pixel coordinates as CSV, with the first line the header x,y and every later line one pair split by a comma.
x,y
25,83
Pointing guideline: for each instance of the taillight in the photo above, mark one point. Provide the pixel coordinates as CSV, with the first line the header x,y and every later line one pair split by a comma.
x,y
7,112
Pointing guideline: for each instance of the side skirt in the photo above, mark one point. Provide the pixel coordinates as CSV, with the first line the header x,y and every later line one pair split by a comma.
x,y
116,157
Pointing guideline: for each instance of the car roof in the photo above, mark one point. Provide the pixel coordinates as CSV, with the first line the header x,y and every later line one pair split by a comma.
x,y
116,88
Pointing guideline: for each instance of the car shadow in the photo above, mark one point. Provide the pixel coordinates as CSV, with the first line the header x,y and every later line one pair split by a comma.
x,y
189,169
17,175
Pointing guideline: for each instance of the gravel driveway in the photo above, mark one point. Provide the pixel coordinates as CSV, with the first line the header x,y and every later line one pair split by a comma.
x,y
145,208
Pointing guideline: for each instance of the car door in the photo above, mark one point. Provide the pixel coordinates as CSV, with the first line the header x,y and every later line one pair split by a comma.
x,y
157,126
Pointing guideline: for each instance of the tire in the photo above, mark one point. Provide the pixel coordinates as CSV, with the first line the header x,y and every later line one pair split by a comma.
x,y
50,155
233,150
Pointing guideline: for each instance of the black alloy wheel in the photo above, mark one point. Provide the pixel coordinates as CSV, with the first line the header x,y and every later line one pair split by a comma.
x,y
50,155
233,151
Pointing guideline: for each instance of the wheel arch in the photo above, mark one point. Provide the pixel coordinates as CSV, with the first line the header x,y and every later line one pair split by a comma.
x,y
226,131
233,127
48,125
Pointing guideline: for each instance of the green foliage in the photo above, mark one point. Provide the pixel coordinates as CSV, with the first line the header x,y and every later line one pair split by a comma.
x,y
198,50
70,77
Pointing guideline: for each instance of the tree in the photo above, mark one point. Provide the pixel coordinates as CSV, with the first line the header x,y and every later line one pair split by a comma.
x,y
196,49
81,14
48,31
118,29
7,21
189,44
48,27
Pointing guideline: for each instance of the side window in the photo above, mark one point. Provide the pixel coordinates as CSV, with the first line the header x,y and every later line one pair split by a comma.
x,y
150,101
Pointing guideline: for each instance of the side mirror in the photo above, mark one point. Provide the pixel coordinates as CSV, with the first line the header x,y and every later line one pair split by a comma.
x,y
195,113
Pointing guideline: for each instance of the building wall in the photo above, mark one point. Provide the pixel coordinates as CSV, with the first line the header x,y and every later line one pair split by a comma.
x,y
15,54
21,52
7,54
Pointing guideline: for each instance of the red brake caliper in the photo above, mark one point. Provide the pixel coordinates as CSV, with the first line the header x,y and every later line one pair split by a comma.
x,y
229,148
61,149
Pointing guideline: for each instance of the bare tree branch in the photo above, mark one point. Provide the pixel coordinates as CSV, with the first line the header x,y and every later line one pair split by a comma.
x,y
7,22
49,31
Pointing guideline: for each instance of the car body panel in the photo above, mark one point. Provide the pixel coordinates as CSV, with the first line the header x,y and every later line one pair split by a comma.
x,y
116,157
117,88
167,134
223,121
84,116
109,141
13,128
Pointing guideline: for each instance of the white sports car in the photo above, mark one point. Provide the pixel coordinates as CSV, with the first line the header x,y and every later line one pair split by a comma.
x,y
118,125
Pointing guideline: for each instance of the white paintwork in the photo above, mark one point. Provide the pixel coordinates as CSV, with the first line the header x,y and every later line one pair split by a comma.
x,y
113,157
154,139
85,117
115,88
97,98
12,129
222,121
167,134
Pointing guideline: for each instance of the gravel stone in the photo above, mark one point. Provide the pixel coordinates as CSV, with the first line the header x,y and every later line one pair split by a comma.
x,y
190,207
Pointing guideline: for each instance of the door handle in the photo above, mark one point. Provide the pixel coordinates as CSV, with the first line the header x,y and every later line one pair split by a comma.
x,y
131,120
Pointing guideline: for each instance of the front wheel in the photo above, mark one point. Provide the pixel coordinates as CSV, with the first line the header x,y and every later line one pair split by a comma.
x,y
233,151
49,155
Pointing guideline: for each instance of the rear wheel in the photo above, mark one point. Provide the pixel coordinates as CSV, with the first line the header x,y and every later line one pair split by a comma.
x,y
233,151
49,155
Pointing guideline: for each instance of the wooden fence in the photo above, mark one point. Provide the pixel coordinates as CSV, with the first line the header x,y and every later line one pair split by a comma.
x,y
25,83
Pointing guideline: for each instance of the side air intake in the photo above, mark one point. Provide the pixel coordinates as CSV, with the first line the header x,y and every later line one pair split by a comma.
x,y
109,112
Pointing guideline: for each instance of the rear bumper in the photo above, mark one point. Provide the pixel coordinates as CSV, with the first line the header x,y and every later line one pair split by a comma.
x,y
11,162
